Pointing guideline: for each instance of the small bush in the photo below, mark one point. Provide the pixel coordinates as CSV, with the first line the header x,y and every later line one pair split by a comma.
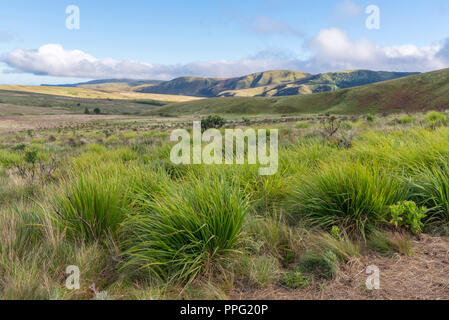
x,y
212,122
407,214
370,118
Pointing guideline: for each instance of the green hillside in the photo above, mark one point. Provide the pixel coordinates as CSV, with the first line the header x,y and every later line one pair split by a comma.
x,y
208,87
262,84
334,81
270,83
414,93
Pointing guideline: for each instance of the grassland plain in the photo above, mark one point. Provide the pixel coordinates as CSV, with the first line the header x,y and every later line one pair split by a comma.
x,y
103,195
29,103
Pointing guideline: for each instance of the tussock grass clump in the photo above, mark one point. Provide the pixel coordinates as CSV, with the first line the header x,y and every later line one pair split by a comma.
x,y
93,203
183,233
389,243
271,234
295,280
259,271
431,189
350,195
435,119
322,264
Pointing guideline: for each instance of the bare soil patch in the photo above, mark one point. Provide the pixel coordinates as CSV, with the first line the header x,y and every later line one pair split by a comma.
x,y
423,276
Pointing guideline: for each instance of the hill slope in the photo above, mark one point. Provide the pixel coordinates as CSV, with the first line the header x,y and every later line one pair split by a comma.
x,y
271,83
414,93
334,81
263,84
209,87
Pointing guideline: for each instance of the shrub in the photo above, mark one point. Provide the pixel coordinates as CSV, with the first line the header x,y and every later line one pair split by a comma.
x,y
183,233
370,118
212,122
435,119
97,111
349,195
407,214
86,111
330,126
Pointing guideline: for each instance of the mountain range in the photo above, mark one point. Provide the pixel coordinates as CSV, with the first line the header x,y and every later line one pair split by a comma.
x,y
263,84
419,92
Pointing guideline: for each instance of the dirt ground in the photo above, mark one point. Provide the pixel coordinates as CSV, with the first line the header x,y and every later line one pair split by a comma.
x,y
38,122
423,276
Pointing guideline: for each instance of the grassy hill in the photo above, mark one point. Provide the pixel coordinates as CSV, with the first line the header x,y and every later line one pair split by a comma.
x,y
209,87
264,84
334,81
413,93
270,83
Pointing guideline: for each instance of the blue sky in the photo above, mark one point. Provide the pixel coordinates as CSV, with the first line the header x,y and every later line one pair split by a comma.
x,y
165,39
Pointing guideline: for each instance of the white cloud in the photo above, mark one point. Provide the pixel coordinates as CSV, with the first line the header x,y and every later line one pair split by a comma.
x,y
54,60
335,50
330,50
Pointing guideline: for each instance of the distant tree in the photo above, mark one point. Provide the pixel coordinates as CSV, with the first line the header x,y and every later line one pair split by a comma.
x,y
97,111
86,111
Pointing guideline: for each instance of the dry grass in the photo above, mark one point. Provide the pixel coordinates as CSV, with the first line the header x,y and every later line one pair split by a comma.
x,y
422,276
96,94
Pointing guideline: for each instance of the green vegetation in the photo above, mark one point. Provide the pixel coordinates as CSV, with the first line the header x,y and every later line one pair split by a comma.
x,y
187,231
270,83
104,196
428,91
204,87
212,122
408,214
352,195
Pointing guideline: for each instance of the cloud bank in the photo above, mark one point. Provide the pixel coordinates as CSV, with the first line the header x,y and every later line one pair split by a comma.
x,y
331,50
